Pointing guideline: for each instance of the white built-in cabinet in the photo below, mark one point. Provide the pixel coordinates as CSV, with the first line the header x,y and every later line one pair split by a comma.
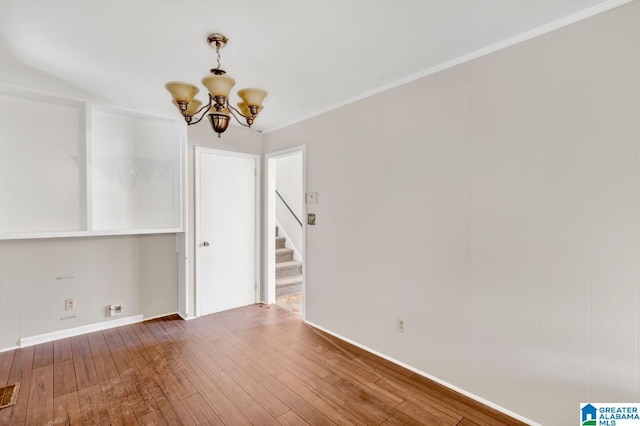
x,y
75,168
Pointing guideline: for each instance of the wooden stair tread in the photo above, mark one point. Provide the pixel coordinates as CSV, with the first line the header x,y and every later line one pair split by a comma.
x,y
296,279
288,264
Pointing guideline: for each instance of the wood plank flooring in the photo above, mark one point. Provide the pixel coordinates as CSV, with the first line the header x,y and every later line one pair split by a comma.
x,y
257,365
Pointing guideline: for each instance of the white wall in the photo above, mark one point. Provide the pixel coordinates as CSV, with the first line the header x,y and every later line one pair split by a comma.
x,y
289,186
36,276
237,139
136,271
498,213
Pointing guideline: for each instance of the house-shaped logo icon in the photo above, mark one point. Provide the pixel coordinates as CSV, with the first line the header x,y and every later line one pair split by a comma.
x,y
589,415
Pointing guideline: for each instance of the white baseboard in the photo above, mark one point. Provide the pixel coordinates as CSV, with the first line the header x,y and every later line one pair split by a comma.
x,y
430,377
76,331
10,348
162,316
186,317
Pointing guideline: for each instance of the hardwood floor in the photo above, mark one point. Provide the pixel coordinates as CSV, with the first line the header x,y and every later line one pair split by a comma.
x,y
257,365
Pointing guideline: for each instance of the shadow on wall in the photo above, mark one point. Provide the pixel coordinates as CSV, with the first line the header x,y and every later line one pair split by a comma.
x,y
16,72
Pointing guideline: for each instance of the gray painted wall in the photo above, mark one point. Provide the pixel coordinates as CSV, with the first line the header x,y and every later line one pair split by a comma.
x,y
496,208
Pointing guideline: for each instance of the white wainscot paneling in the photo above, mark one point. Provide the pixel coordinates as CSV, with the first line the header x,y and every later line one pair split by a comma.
x,y
38,275
11,290
68,280
38,272
108,273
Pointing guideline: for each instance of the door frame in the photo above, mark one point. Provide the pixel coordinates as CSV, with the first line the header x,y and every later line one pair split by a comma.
x,y
270,224
199,150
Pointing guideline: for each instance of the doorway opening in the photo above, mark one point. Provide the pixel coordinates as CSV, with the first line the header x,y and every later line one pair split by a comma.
x,y
286,229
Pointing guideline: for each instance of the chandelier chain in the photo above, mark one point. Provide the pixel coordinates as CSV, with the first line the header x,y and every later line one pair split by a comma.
x,y
218,54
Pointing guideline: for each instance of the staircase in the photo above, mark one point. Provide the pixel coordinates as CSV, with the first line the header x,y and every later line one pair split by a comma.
x,y
288,271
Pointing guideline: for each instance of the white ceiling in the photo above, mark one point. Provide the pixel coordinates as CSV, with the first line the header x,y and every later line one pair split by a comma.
x,y
310,56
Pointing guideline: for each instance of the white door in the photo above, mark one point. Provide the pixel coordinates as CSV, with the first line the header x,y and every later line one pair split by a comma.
x,y
225,230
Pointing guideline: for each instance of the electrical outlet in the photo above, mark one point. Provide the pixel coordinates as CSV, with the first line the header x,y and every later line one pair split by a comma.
x,y
400,325
114,310
70,304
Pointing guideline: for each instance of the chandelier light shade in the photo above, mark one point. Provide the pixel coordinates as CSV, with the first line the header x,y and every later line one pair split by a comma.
x,y
252,96
219,85
182,92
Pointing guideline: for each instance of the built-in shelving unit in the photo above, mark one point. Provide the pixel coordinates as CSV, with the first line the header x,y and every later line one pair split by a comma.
x,y
73,168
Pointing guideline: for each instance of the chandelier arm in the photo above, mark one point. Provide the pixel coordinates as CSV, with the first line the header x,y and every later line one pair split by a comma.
x,y
232,109
205,108
199,119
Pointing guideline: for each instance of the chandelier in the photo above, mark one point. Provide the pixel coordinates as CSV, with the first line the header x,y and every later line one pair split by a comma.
x,y
219,86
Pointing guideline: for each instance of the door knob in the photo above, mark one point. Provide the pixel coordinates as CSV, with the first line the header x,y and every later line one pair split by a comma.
x,y
206,244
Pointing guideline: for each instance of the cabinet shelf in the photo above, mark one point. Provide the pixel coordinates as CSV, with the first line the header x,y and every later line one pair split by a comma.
x,y
71,168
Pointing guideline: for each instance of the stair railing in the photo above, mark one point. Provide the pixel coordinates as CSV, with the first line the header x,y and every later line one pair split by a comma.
x,y
288,208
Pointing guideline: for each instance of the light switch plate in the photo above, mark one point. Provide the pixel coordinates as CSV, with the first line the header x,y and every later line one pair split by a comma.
x,y
311,197
311,218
